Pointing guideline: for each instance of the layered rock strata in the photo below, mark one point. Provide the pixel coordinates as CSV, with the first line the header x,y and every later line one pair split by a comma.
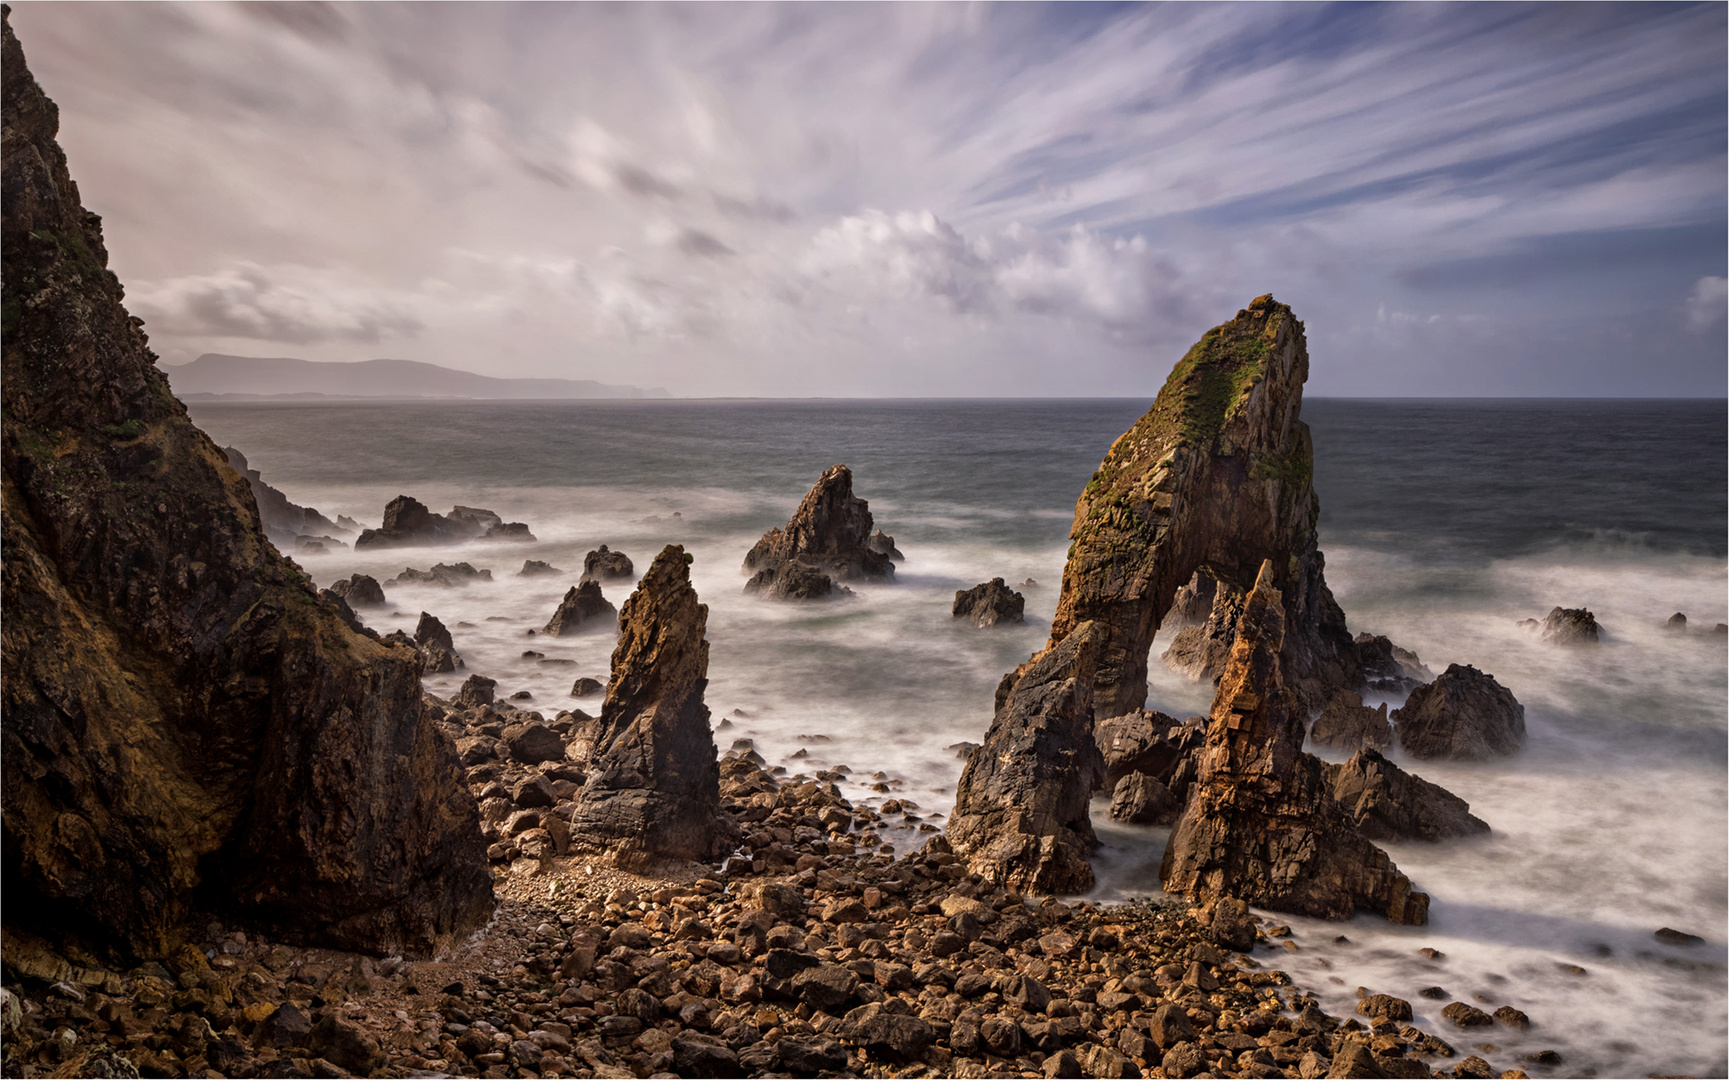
x,y
652,792
1261,824
990,604
185,723
582,609
827,540
1465,715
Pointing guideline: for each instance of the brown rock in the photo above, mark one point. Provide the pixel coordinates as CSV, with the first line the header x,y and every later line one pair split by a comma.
x,y
1260,824
1150,742
274,759
582,609
1463,715
1140,799
1387,803
1347,724
1388,668
603,564
1384,1007
360,590
653,790
1570,626
1466,1015
437,650
1507,1016
828,539
990,604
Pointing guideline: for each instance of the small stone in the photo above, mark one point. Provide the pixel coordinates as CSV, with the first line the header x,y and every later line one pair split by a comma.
x,y
1508,1016
1466,1015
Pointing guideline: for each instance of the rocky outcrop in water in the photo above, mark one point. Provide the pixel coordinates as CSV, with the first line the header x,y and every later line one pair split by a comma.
x,y
827,540
1020,813
1347,724
446,575
1389,669
1261,823
408,523
184,722
582,609
360,590
604,564
1465,715
884,543
1570,626
437,650
537,568
284,522
1387,803
990,604
653,788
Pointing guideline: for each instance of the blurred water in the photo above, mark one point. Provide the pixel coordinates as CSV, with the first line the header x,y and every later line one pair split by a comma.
x,y
1443,523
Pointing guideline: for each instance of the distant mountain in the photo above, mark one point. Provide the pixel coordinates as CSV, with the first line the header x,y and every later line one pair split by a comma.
x,y
214,375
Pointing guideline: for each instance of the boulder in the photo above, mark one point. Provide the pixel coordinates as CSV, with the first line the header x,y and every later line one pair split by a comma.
x,y
1570,626
408,523
586,687
1140,799
582,609
1389,669
1020,815
1464,715
360,590
279,771
888,1035
1260,824
1150,742
828,537
1347,724
1676,623
437,650
1388,803
653,789
447,575
478,690
536,568
533,743
603,564
284,522
990,604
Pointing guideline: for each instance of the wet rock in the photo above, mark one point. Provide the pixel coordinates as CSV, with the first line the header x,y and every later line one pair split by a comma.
x,y
408,523
653,790
586,687
582,609
604,564
1347,724
360,590
1678,937
828,537
283,521
437,650
884,543
536,568
1387,803
1466,1015
477,690
1474,1068
1020,813
1463,715
1570,626
1260,823
1389,669
446,575
1507,1016
1384,1007
152,633
990,604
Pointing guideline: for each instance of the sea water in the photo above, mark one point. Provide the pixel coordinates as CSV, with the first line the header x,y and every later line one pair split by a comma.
x,y
1444,523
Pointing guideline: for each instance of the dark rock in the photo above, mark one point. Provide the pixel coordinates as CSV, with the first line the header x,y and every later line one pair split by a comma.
x,y
1570,626
536,568
1020,814
287,1026
583,608
1466,1015
269,758
1150,742
532,744
346,613
810,1057
1171,1026
1387,803
437,650
360,590
990,604
1384,1007
828,537
283,521
447,575
604,564
1676,622
1507,1016
1464,715
512,531
1233,925
1347,724
533,793
345,1045
408,523
888,1035
825,987
653,790
586,687
702,1055
884,543
1474,1068
478,690
1678,937
1260,824
1140,799
1388,668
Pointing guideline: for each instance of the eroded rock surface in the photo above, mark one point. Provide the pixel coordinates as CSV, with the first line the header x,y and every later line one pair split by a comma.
x,y
990,604
582,609
448,575
1388,803
437,650
274,762
1261,824
827,540
360,590
1570,626
653,788
1347,724
1465,715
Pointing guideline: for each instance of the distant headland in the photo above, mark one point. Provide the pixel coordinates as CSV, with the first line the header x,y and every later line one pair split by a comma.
x,y
215,376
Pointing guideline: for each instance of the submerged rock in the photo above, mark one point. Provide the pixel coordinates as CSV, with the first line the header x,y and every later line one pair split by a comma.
x,y
1260,824
603,564
884,543
1464,714
990,604
582,609
1347,724
360,590
828,539
277,770
1388,668
1570,626
653,788
1388,803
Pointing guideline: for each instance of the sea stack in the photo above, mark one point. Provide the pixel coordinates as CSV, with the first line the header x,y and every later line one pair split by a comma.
x,y
1261,823
653,788
183,715
828,540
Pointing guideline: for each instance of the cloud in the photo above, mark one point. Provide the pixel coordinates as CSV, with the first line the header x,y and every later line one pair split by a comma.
x,y
244,302
1707,303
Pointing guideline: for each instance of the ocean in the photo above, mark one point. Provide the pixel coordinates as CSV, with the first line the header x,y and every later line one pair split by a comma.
x,y
1444,522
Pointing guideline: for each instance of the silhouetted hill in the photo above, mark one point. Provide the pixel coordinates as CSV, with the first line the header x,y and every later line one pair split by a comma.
x,y
217,375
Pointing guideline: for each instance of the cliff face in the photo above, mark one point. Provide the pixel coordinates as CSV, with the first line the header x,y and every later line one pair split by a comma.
x,y
1214,478
186,724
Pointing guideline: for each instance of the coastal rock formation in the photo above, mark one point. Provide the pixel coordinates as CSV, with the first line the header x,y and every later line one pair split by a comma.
x,y
1152,744
1201,651
284,522
437,650
1570,626
536,568
1387,803
1020,813
990,604
653,788
1465,715
1347,724
603,564
448,575
827,540
1261,824
1140,799
184,724
1388,668
360,590
583,608
408,523
884,543
1214,478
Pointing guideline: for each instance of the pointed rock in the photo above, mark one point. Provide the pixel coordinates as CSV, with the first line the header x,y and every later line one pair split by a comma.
x,y
360,590
653,788
583,608
1387,803
1261,824
1388,668
829,537
437,649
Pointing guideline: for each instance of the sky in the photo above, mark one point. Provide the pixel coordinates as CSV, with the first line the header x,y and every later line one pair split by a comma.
x,y
890,200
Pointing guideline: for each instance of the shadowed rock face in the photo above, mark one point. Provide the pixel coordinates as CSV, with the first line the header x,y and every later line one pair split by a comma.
x,y
1388,803
829,536
1465,714
1261,823
181,712
1214,478
990,604
653,789
583,608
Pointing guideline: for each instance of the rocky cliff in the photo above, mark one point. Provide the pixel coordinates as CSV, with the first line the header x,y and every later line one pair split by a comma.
x,y
187,726
653,787
828,539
